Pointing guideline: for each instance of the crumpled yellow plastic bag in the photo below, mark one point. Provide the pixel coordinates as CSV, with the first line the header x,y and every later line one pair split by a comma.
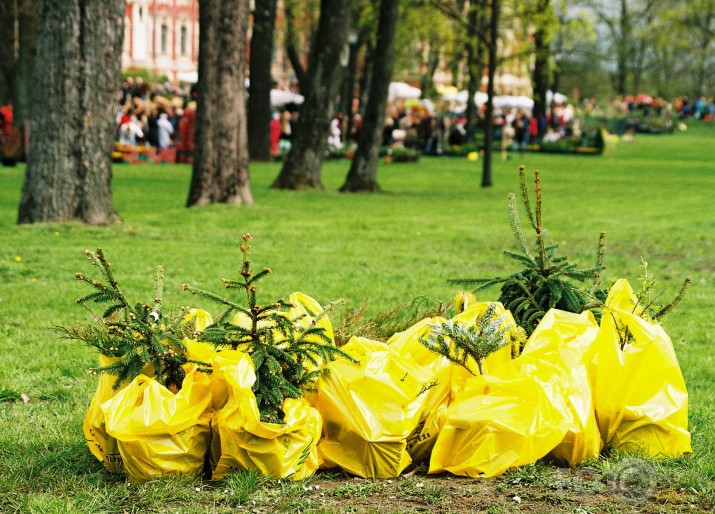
x,y
101,444
370,409
497,423
449,379
308,312
241,441
555,356
158,432
639,392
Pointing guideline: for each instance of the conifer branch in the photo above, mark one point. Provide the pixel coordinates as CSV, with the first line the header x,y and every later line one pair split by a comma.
x,y
281,348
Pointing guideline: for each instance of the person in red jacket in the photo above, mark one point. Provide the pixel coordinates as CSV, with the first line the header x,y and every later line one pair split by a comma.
x,y
6,118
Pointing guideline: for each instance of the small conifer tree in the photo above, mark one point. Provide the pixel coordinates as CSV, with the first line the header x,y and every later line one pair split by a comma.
x,y
463,344
646,305
138,337
546,281
287,356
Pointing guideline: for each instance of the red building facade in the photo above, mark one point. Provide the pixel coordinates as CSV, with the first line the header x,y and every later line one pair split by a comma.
x,y
162,36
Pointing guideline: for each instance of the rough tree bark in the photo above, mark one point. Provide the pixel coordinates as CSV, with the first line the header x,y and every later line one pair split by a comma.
x,y
69,171
363,168
305,158
259,98
220,172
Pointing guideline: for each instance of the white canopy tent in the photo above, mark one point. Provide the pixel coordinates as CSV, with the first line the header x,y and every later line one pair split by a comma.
x,y
403,90
282,97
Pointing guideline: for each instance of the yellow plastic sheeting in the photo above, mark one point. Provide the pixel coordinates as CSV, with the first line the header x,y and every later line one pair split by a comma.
x,y
555,357
158,432
497,423
201,318
241,441
639,391
309,310
370,409
449,379
101,444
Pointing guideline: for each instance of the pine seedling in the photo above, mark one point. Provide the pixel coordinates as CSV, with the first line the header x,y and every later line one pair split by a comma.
x,y
466,344
646,304
138,338
546,280
288,356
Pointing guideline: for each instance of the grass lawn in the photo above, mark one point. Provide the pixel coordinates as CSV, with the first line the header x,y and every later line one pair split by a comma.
x,y
433,221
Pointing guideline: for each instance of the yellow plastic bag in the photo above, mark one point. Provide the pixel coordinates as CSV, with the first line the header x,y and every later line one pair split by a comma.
x,y
639,391
449,379
241,441
307,311
555,356
370,409
497,423
158,432
101,444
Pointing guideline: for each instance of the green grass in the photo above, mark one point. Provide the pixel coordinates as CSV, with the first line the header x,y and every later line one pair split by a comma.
x,y
433,222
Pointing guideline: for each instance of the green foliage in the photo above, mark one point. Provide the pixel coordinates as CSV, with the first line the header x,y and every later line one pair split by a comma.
x,y
136,338
545,282
462,343
287,354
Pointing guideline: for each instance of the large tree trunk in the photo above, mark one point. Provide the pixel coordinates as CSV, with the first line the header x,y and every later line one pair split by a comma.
x,y
305,158
69,173
363,168
488,122
220,172
259,99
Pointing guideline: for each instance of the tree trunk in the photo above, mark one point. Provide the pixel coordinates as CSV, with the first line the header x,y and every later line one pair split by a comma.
x,y
69,173
363,168
623,51
542,52
8,15
259,98
220,172
28,12
488,122
292,52
366,77
475,65
305,158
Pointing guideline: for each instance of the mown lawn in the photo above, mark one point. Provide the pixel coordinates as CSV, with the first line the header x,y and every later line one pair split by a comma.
x,y
432,222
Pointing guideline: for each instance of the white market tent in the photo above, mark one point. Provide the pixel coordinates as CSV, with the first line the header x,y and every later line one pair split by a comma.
x,y
282,97
403,90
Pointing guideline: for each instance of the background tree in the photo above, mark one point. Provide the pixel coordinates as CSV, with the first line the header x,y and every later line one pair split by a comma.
x,y
303,163
8,13
69,172
362,175
300,22
220,172
17,57
259,90
494,11
540,14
